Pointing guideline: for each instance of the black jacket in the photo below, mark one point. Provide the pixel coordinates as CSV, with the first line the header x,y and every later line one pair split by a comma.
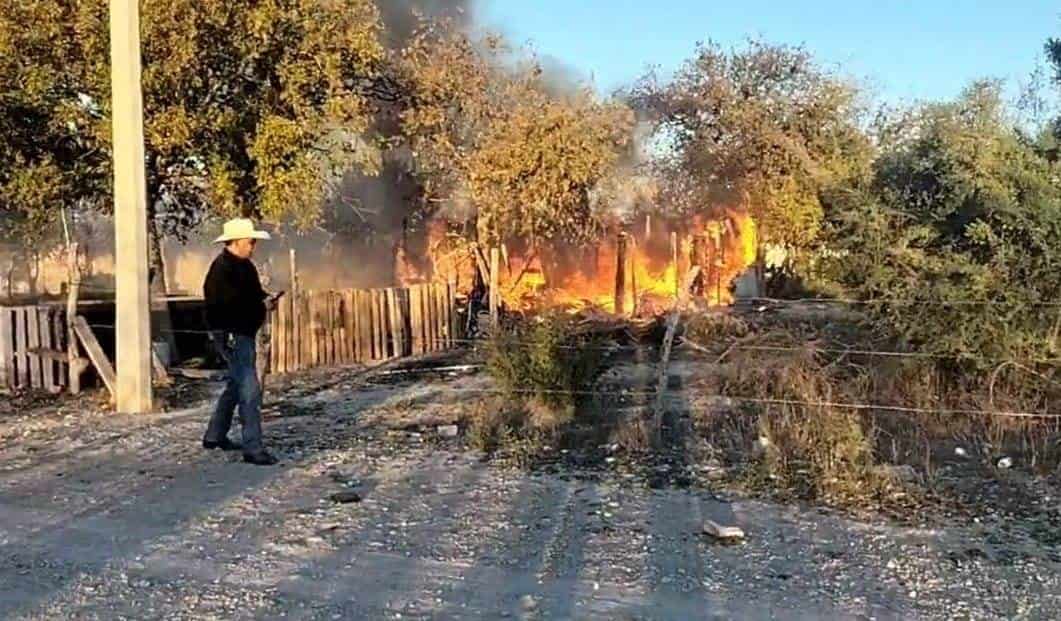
x,y
235,301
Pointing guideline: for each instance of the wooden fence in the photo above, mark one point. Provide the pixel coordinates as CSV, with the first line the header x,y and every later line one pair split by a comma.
x,y
32,348
308,330
326,328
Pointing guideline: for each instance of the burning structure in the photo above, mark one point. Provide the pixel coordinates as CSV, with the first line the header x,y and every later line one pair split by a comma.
x,y
638,270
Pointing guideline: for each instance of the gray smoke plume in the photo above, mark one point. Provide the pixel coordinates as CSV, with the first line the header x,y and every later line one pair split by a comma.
x,y
401,17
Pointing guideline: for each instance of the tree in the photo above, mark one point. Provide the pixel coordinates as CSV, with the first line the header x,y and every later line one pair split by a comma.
x,y
762,128
955,243
493,139
250,107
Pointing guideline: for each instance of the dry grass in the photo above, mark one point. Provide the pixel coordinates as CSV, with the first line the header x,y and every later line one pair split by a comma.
x,y
816,452
807,448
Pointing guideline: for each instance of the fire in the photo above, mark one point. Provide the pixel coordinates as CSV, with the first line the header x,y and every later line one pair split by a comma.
x,y
657,266
650,279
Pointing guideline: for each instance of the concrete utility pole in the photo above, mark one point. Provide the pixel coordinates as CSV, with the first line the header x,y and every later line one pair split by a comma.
x,y
133,330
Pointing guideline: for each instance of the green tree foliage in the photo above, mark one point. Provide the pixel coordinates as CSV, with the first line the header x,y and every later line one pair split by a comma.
x,y
760,127
249,107
957,240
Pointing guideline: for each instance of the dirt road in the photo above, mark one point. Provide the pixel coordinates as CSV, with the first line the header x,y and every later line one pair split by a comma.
x,y
109,517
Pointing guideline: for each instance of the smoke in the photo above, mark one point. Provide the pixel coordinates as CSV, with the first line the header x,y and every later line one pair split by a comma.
x,y
401,17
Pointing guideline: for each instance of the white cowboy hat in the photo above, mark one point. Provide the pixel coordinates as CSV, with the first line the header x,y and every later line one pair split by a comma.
x,y
240,228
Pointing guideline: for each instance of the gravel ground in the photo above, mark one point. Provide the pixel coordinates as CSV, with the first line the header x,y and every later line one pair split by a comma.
x,y
111,517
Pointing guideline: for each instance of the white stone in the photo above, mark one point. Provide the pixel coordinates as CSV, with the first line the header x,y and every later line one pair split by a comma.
x,y
722,532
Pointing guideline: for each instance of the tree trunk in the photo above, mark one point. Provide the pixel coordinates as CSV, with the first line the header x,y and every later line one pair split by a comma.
x,y
157,260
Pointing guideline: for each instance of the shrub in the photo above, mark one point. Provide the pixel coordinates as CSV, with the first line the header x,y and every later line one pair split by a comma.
x,y
545,365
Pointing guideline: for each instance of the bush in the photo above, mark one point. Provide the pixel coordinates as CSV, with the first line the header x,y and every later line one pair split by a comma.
x,y
955,243
545,365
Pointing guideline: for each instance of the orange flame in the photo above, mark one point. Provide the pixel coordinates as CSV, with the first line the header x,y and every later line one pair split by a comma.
x,y
652,279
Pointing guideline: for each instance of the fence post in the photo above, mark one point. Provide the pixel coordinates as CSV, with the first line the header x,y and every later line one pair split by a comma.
x,y
73,291
495,287
620,274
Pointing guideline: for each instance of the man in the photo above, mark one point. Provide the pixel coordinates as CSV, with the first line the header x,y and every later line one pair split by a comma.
x,y
235,310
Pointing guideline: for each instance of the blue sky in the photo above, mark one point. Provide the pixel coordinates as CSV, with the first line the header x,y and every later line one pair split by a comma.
x,y
902,50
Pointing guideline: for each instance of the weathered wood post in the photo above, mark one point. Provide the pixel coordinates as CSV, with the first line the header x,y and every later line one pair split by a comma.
x,y
74,361
296,308
495,287
631,268
620,274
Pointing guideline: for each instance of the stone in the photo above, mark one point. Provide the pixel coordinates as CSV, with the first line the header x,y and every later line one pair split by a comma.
x,y
1005,462
346,497
528,602
448,431
727,533
904,473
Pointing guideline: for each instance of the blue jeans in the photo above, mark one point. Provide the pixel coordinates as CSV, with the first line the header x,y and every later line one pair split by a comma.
x,y
242,389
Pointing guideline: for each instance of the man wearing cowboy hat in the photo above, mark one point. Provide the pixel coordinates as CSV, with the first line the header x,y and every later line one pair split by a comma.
x,y
235,310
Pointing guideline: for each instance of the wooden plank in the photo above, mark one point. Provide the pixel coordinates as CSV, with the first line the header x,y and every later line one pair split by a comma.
x,y
349,338
428,319
394,342
295,343
48,354
305,333
75,364
384,325
455,320
414,320
95,354
314,330
279,336
33,341
59,342
448,301
323,354
7,349
289,334
21,358
402,298
337,328
337,325
495,288
274,341
325,311
439,316
365,315
355,316
326,328
294,335
443,316
421,308
432,318
379,326
454,317
44,316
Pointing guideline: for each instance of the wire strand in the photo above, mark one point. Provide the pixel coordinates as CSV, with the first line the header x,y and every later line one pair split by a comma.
x,y
756,400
